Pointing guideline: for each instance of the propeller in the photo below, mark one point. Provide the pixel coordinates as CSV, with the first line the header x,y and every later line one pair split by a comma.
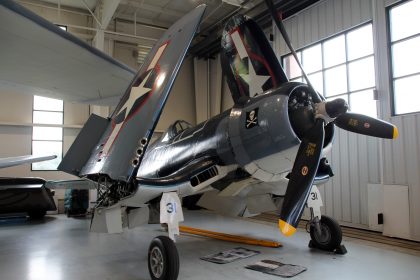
x,y
366,125
310,150
301,178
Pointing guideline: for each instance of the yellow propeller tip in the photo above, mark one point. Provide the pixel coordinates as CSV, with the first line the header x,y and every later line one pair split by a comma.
x,y
286,228
395,133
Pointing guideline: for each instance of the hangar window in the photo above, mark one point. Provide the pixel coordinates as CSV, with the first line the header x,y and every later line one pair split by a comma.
x,y
404,42
340,67
47,133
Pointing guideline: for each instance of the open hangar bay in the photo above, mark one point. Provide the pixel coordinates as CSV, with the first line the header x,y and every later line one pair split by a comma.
x,y
253,139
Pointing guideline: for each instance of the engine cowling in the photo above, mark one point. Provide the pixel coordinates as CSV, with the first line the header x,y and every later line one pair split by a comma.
x,y
265,131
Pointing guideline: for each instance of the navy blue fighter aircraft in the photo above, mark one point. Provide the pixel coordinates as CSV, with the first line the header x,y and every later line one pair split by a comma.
x,y
266,153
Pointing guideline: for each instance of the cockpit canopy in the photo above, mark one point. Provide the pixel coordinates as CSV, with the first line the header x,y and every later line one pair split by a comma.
x,y
175,129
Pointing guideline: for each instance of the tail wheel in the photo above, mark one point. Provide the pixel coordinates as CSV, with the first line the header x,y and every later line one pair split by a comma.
x,y
330,236
163,259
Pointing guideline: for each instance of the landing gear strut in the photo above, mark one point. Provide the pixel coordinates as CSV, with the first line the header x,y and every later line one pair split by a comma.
x,y
163,259
325,232
326,235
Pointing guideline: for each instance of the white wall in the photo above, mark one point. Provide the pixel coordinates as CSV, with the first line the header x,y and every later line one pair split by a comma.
x,y
180,104
359,160
209,87
16,132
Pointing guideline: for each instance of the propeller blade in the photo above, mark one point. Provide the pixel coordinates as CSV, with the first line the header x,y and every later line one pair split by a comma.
x,y
301,178
366,125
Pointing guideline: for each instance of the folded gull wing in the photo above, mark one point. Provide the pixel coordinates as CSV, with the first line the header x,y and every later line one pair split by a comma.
x,y
124,137
37,57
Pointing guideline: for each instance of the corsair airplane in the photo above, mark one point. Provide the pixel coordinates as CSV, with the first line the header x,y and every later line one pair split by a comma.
x,y
266,153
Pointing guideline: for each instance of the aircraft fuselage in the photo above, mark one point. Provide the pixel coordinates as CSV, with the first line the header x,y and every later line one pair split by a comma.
x,y
255,135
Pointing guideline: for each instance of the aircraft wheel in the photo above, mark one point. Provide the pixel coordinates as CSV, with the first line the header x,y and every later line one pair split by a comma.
x,y
163,259
330,237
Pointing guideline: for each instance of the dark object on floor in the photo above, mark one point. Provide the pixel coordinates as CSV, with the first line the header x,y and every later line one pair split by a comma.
x,y
163,259
230,255
339,250
330,236
76,202
25,195
277,268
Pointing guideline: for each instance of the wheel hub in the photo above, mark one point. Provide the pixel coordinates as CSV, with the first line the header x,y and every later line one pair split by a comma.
x,y
156,262
325,235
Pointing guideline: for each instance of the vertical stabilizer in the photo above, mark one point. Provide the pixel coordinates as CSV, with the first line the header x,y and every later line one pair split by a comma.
x,y
248,61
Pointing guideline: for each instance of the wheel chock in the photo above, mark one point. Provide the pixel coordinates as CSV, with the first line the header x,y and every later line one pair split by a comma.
x,y
311,245
341,250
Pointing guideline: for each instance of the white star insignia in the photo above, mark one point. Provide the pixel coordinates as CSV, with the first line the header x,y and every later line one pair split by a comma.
x,y
135,94
255,82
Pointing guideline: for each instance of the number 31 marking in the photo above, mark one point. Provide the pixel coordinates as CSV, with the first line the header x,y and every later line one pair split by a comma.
x,y
171,207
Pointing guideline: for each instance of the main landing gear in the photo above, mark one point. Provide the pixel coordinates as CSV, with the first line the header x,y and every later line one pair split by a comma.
x,y
326,235
163,259
325,232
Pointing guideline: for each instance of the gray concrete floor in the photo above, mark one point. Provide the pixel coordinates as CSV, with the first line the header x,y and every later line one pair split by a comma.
x,y
62,248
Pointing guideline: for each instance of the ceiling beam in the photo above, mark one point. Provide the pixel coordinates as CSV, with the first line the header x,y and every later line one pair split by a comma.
x,y
152,8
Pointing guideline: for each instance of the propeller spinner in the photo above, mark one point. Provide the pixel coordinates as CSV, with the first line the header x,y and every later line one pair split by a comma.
x,y
310,150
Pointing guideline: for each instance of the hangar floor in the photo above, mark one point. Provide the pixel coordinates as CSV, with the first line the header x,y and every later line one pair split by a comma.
x,y
62,248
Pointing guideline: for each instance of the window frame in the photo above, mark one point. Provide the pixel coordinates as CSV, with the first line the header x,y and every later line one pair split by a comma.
x,y
390,43
46,125
346,63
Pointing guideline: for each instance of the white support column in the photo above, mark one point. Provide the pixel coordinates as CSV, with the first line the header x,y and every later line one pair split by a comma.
x,y
208,79
104,11
201,82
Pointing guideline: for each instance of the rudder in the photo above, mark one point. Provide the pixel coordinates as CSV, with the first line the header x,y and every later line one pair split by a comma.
x,y
248,60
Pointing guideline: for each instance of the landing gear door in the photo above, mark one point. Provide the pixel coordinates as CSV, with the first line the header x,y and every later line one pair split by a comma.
x,y
315,202
171,213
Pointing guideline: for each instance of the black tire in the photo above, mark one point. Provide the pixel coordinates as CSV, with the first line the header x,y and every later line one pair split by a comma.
x,y
163,250
331,236
37,215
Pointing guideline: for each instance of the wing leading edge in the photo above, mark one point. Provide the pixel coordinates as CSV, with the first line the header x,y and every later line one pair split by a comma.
x,y
13,161
39,58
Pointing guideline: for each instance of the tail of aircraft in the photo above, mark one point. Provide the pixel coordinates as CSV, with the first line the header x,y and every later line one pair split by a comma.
x,y
248,61
114,147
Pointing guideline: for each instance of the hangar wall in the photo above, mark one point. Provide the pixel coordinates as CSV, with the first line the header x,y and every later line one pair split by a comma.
x,y
359,160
